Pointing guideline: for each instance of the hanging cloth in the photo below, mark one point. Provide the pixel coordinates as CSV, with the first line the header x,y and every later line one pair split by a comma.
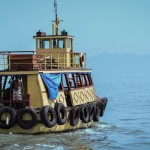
x,y
52,82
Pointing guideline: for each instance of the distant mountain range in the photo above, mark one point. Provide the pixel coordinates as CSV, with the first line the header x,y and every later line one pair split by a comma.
x,y
120,65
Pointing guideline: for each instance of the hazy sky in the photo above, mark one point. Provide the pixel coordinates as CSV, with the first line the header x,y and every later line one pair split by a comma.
x,y
99,26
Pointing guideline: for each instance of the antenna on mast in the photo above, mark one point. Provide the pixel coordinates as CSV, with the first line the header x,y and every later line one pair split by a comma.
x,y
55,27
55,6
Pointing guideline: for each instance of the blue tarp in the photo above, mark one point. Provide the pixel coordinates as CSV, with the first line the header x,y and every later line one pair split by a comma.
x,y
52,82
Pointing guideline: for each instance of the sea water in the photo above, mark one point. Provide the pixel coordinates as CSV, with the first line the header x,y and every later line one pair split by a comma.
x,y
125,125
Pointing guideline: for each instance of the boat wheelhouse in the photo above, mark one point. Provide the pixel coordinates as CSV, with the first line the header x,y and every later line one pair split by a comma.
x,y
47,90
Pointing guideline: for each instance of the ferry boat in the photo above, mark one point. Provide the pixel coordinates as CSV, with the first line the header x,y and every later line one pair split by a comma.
x,y
47,90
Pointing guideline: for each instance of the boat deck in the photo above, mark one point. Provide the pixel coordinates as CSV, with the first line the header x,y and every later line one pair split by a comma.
x,y
29,60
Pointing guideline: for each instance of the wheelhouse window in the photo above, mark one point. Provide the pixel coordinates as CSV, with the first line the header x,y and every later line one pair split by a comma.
x,y
48,43
58,43
69,44
43,44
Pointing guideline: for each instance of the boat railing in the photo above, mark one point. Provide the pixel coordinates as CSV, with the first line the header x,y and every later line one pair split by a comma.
x,y
22,60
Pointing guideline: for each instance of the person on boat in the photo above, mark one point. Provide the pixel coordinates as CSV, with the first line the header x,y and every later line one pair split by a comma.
x,y
70,80
17,88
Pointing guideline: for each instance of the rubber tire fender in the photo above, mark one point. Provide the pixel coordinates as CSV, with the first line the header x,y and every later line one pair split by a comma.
x,y
74,116
91,107
96,112
26,124
61,113
12,114
47,111
84,113
103,105
101,113
104,101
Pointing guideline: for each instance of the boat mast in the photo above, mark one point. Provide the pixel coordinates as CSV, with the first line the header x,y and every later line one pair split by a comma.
x,y
55,27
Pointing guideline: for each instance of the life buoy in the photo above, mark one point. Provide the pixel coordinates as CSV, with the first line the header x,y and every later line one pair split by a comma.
x,y
91,107
74,116
48,116
61,113
10,120
82,60
26,124
96,112
84,113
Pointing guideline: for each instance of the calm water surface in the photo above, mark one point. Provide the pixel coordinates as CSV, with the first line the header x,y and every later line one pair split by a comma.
x,y
125,125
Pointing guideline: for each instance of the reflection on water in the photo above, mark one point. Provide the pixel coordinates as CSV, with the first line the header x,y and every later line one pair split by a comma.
x,y
125,125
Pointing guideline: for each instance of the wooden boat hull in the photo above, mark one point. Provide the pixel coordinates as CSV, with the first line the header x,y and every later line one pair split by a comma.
x,y
41,128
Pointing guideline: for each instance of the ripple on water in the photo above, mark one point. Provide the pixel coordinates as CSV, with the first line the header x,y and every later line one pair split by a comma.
x,y
127,127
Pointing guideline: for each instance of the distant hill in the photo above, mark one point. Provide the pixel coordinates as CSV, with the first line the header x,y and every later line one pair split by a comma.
x,y
120,65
